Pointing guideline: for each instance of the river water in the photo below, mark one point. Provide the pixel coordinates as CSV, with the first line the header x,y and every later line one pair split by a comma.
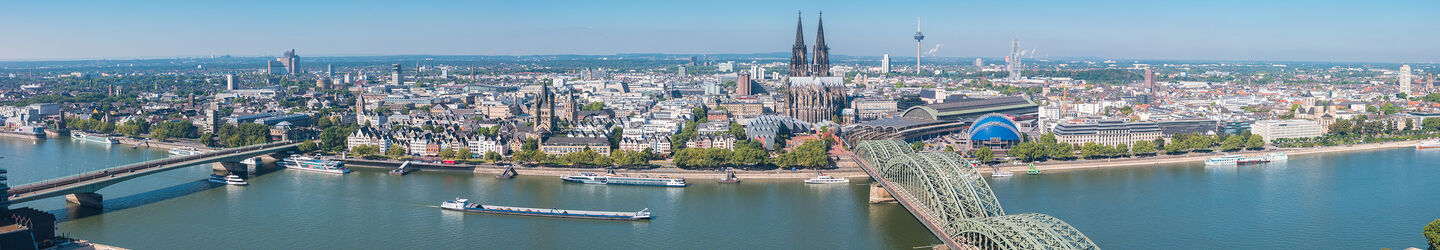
x,y
1359,200
368,209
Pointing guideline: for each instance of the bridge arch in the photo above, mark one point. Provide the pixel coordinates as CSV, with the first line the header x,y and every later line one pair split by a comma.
x,y
946,187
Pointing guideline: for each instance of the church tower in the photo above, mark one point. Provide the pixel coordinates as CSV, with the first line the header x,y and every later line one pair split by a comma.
x,y
822,52
798,65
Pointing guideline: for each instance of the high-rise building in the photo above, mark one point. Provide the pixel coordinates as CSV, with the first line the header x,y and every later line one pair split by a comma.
x,y
885,64
682,72
288,64
1405,79
1012,62
979,63
1150,79
742,84
395,75
230,82
330,71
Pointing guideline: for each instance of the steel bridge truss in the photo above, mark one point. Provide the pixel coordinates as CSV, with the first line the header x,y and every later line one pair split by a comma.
x,y
946,187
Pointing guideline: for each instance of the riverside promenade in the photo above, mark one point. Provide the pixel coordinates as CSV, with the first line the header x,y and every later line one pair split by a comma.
x,y
845,167
1188,158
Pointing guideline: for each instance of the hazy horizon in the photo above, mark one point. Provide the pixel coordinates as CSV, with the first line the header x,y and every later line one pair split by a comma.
x,y
1394,31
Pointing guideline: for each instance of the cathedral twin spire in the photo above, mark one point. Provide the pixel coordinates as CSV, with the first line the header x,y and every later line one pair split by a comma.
x,y
799,66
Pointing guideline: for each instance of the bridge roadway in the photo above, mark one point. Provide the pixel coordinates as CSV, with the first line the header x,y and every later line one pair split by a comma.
x,y
950,198
85,185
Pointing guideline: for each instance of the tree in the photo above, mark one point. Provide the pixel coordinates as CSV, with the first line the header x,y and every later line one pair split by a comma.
x,y
395,151
1256,142
1159,143
447,153
334,138
1177,147
1121,150
1091,150
615,136
594,106
748,153
737,130
1028,151
492,156
1340,127
1143,148
1432,234
1232,144
984,154
306,146
464,153
917,146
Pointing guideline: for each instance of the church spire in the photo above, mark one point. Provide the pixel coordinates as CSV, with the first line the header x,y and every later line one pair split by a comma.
x,y
822,52
798,64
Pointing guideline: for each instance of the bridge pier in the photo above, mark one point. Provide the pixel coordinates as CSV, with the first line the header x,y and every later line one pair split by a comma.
x,y
232,167
93,200
878,194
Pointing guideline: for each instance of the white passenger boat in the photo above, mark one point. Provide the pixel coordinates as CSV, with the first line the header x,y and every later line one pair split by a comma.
x,y
1002,174
93,138
826,179
306,163
1278,156
1428,144
589,178
228,179
185,151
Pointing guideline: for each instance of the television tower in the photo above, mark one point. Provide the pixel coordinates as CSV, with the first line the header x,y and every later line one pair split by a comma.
x,y
918,36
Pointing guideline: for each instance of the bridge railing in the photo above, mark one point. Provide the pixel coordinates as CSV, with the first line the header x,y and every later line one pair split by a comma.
x,y
91,175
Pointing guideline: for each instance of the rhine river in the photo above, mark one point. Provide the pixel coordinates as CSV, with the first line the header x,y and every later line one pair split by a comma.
x,y
1360,200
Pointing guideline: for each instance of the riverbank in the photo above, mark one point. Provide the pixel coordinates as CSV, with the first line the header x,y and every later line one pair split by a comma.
x,y
1190,158
844,168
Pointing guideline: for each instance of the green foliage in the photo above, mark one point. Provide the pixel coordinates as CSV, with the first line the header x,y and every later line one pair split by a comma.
x,y
492,156
447,153
917,146
1432,234
306,146
1232,143
174,129
245,134
89,125
594,106
464,153
1143,148
984,154
811,154
1255,142
395,151
334,138
365,150
737,130
626,158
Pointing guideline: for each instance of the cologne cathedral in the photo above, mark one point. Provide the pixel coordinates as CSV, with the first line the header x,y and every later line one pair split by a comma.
x,y
813,95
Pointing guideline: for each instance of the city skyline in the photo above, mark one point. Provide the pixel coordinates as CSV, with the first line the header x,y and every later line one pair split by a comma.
x,y
1223,30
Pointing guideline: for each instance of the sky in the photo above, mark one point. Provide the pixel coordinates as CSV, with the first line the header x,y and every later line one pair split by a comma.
x,y
1266,30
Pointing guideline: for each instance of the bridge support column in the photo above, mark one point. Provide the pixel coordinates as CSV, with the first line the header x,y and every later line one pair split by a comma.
x,y
233,167
93,200
878,194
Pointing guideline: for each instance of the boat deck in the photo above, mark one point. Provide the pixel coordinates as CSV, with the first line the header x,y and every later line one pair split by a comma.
x,y
551,212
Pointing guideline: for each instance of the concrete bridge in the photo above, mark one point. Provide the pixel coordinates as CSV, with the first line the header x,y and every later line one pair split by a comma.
x,y
80,189
945,193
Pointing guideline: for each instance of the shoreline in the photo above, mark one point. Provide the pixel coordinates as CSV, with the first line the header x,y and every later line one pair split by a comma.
x,y
1157,161
844,169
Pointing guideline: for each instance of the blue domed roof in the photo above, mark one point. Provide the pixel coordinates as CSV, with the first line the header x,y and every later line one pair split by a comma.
x,y
994,126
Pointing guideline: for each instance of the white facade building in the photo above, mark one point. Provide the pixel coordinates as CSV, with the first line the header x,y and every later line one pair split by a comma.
x,y
1277,129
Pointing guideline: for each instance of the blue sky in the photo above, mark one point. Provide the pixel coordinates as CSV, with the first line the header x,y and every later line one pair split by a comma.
x,y
1314,30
